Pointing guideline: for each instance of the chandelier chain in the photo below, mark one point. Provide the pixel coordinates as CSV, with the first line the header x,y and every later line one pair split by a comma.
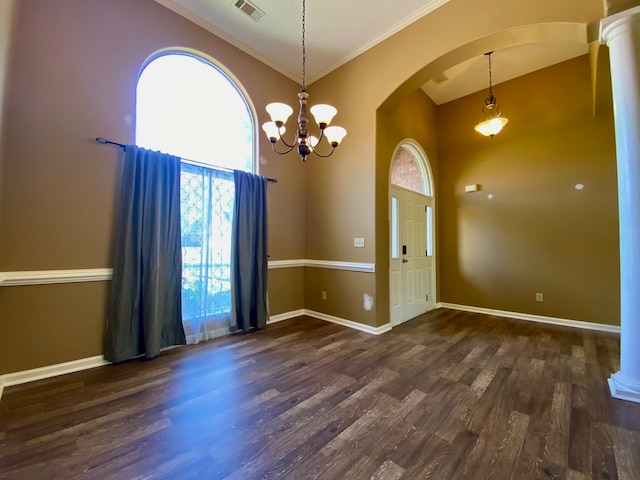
x,y
304,48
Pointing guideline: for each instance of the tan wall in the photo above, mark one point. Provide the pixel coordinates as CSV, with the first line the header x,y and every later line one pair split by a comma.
x,y
72,78
286,290
7,9
343,190
49,324
538,234
345,290
414,118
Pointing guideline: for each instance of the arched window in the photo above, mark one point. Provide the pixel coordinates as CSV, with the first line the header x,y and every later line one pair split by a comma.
x,y
408,171
189,107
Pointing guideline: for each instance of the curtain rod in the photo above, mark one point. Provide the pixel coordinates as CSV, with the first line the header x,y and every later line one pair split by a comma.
x,y
105,141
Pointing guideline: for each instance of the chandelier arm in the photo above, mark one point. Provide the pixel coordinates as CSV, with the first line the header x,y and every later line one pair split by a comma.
x,y
273,147
289,146
333,149
281,138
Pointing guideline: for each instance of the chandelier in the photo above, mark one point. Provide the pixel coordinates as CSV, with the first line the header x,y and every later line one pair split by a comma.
x,y
495,121
323,114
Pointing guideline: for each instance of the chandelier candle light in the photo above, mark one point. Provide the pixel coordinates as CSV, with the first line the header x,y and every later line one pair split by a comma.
x,y
495,121
323,114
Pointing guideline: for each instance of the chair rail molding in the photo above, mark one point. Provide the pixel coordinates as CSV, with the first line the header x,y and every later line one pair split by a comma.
x,y
329,264
43,277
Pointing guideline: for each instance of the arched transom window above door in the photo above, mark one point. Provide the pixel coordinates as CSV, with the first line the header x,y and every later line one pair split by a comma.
x,y
408,170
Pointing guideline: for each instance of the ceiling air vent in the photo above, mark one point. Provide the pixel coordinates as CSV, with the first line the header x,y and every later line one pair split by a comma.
x,y
249,9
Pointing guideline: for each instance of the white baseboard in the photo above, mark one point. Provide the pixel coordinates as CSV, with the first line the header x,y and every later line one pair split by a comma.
x,y
348,323
601,327
286,316
49,371
332,319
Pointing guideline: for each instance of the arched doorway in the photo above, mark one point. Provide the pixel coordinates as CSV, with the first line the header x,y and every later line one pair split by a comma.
x,y
412,266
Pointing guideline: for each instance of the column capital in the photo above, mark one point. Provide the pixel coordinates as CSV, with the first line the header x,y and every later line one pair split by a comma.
x,y
609,26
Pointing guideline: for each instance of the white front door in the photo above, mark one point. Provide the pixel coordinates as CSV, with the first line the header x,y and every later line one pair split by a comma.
x,y
411,267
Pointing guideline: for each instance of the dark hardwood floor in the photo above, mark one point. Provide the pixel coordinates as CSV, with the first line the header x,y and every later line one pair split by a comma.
x,y
449,395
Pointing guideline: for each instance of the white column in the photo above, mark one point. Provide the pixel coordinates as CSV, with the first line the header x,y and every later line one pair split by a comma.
x,y
621,33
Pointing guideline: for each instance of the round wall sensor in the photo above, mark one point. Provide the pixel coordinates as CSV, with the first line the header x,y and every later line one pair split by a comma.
x,y
579,186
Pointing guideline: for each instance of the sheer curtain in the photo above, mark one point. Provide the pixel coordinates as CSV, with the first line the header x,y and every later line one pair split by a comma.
x,y
144,312
206,216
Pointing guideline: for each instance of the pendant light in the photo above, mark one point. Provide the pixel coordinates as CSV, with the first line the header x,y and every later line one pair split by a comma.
x,y
494,121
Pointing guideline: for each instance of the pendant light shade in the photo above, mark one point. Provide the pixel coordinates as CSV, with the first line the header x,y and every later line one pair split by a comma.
x,y
335,135
323,114
273,132
492,126
279,112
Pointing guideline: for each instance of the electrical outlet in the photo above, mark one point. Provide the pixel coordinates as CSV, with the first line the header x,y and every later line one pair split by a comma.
x,y
358,242
539,297
324,295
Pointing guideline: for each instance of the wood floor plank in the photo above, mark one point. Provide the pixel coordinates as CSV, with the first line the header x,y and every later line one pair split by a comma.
x,y
388,471
603,464
449,464
431,447
525,381
557,445
626,448
448,395
385,419
363,468
579,458
466,406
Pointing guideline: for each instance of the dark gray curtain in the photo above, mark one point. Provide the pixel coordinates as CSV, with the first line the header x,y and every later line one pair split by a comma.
x,y
249,307
145,311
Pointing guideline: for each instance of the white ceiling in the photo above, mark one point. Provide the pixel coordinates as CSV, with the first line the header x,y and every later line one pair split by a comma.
x,y
339,30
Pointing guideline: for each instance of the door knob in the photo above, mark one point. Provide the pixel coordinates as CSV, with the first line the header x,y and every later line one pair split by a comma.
x,y
404,260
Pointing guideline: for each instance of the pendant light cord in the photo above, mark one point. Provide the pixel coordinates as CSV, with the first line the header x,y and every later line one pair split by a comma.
x,y
490,80
304,48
